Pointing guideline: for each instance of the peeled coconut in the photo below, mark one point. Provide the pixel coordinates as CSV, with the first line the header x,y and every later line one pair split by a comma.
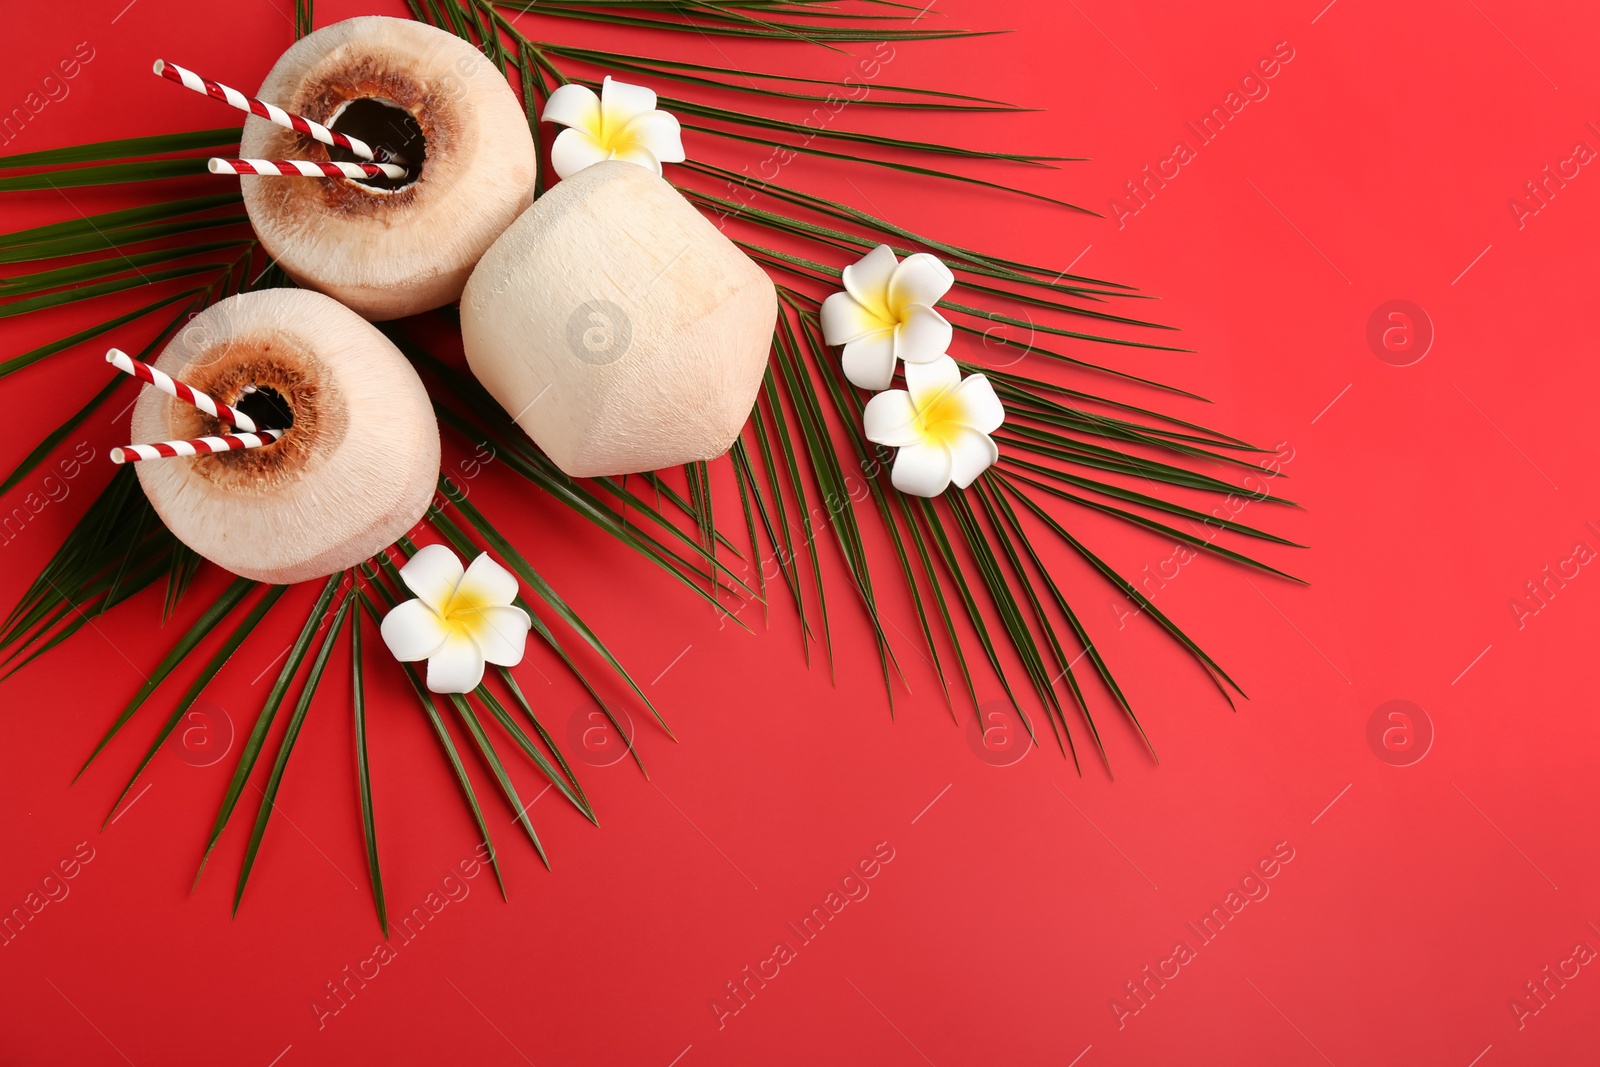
x,y
619,327
390,248
353,473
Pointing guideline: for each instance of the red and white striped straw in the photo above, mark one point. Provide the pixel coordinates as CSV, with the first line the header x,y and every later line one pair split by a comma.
x,y
271,112
172,387
304,168
198,446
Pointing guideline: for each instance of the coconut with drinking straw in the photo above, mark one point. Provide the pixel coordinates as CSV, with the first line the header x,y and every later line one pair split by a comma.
x,y
387,248
416,156
358,457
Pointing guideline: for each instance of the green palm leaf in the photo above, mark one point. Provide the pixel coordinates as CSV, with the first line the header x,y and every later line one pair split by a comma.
x,y
369,828
297,719
269,712
974,564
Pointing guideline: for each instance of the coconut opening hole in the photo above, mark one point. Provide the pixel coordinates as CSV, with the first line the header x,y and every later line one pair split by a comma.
x,y
382,124
267,407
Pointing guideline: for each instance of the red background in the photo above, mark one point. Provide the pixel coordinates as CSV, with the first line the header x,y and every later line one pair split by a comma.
x,y
1018,904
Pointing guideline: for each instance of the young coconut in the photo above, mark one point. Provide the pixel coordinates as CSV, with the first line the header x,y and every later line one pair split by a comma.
x,y
353,473
390,248
619,327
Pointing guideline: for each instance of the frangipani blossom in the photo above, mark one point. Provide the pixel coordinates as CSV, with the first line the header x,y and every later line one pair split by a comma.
x,y
886,314
459,619
621,123
940,423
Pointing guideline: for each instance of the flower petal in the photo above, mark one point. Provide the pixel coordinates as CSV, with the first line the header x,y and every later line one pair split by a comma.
x,y
927,382
922,469
981,409
638,153
890,419
971,453
867,280
501,633
433,574
622,102
919,279
413,631
869,361
573,150
923,334
574,105
485,585
846,319
457,667
659,133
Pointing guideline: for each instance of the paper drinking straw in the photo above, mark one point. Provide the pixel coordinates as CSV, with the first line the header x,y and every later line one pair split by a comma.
x,y
198,446
172,387
271,112
304,168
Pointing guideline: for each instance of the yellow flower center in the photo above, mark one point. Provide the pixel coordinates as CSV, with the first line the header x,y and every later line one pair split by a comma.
x,y
939,420
611,134
897,311
461,613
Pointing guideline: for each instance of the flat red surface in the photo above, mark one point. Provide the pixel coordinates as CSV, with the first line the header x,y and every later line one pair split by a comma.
x,y
1021,900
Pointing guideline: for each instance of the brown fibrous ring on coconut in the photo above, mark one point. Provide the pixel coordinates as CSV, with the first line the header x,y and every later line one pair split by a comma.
x,y
355,470
390,248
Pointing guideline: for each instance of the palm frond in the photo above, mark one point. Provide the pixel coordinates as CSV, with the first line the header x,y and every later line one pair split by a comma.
x,y
297,719
369,827
815,498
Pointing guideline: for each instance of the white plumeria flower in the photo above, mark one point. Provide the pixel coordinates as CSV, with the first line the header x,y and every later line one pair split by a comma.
x,y
459,620
940,423
886,314
621,123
